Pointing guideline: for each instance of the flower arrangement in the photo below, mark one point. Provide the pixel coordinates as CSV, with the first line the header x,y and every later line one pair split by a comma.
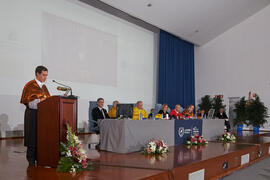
x,y
196,140
227,137
73,157
156,147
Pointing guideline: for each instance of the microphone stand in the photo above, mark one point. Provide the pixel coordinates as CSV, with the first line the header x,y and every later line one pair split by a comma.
x,y
70,96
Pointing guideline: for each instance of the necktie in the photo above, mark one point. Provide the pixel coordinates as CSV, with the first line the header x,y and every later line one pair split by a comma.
x,y
103,114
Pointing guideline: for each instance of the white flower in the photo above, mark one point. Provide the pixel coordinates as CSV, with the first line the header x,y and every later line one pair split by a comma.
x,y
72,169
82,151
152,143
153,148
68,153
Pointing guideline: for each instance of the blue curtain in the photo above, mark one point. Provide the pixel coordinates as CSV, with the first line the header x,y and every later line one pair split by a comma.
x,y
176,83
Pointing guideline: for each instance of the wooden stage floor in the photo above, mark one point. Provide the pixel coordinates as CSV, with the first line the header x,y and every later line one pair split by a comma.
x,y
216,160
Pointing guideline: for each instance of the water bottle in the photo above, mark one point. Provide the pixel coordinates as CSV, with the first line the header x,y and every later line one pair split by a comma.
x,y
167,116
141,117
153,117
161,116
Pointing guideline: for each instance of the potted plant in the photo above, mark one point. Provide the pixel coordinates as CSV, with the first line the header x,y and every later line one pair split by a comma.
x,y
241,114
205,104
257,113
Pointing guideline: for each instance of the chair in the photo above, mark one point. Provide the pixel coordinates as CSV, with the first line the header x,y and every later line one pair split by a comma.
x,y
109,107
92,129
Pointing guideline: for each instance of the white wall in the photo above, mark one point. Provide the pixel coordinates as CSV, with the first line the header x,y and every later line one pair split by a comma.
x,y
21,50
237,61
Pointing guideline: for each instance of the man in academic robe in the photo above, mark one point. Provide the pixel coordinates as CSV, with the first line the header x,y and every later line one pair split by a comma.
x,y
139,113
176,114
99,112
112,111
34,92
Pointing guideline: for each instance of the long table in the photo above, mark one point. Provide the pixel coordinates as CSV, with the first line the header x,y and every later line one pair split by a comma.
x,y
125,136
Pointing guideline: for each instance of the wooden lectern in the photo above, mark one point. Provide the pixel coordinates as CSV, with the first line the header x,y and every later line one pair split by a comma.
x,y
53,114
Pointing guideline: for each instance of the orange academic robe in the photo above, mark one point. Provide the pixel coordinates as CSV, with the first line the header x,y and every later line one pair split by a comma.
x,y
31,92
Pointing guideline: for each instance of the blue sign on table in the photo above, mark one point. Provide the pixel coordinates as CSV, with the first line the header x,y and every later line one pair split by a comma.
x,y
183,129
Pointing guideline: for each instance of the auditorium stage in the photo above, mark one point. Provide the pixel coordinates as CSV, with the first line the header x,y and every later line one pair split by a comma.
x,y
214,161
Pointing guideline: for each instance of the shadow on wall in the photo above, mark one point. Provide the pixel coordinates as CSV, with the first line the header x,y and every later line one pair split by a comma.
x,y
83,127
4,125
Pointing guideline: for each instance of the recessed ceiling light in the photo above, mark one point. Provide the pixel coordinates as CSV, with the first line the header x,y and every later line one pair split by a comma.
x,y
149,5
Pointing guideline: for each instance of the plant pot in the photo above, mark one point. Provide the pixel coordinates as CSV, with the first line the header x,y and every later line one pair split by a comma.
x,y
239,133
256,129
240,127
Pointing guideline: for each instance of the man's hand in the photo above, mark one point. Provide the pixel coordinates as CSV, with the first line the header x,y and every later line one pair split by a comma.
x,y
42,99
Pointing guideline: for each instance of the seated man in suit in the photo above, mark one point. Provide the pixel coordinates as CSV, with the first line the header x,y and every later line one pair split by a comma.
x,y
138,112
112,112
222,115
99,112
176,114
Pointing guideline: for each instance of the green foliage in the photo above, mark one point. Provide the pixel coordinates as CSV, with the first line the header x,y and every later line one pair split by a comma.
x,y
241,112
206,104
218,104
64,164
257,112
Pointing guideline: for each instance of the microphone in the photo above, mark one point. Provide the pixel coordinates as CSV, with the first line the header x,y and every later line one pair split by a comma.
x,y
62,88
59,88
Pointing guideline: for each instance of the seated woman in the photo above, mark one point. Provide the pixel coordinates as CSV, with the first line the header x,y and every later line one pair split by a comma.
x,y
201,114
175,113
164,112
112,112
188,112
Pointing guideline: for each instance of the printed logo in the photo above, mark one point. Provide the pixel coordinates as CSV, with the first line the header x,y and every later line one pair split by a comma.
x,y
181,131
195,130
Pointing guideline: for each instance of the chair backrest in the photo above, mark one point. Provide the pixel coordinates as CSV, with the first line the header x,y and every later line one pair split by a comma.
x,y
109,107
157,108
92,105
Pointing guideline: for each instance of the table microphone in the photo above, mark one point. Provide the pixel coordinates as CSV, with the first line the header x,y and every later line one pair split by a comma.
x,y
60,88
65,88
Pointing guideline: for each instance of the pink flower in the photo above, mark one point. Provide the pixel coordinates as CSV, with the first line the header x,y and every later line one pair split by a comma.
x,y
148,150
158,143
197,136
84,163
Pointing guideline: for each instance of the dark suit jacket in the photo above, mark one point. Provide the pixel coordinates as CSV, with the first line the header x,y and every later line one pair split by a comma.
x,y
222,116
97,114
